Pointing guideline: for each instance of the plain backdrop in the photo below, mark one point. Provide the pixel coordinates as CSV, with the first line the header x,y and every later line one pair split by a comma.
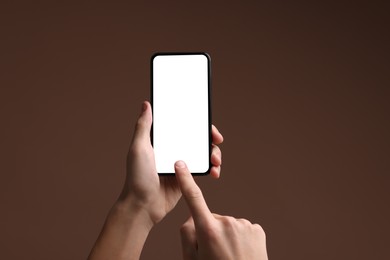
x,y
300,93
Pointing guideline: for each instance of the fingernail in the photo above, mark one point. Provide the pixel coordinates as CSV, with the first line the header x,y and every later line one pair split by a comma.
x,y
180,164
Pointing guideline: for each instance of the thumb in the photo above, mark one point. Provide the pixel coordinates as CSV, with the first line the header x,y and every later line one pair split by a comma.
x,y
144,124
193,195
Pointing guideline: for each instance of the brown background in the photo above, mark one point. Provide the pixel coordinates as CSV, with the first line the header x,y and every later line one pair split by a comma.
x,y
300,92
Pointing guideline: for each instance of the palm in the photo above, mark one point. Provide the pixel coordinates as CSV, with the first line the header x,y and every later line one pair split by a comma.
x,y
159,194
170,191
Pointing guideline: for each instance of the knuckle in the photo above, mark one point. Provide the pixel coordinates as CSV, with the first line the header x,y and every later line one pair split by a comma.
x,y
184,228
140,124
211,232
259,230
245,222
187,227
188,223
133,151
229,221
137,149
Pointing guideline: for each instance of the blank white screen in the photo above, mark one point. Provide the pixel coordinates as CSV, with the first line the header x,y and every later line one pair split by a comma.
x,y
181,112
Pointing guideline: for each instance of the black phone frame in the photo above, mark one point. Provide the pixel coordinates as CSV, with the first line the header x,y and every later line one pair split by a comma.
x,y
209,102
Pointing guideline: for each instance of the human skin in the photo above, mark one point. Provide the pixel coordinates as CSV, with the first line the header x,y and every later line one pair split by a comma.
x,y
208,236
146,197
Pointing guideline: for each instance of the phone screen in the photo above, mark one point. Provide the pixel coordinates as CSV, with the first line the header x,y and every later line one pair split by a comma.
x,y
181,111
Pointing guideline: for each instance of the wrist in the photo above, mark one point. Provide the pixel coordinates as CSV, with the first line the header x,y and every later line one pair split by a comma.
x,y
124,233
149,205
131,213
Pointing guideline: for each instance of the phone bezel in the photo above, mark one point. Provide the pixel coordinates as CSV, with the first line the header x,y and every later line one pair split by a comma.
x,y
209,101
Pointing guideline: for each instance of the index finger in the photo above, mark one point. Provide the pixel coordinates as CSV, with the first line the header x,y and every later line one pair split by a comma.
x,y
193,195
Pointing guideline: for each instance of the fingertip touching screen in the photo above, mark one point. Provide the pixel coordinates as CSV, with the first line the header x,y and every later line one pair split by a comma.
x,y
181,111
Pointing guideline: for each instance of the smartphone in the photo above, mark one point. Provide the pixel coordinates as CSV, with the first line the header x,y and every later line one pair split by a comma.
x,y
181,104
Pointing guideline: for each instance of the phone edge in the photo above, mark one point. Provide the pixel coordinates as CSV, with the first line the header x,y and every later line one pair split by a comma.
x,y
154,55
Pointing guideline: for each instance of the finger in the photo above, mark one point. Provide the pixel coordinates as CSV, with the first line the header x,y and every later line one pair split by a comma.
x,y
217,216
215,172
216,135
143,126
188,240
244,222
216,156
192,194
